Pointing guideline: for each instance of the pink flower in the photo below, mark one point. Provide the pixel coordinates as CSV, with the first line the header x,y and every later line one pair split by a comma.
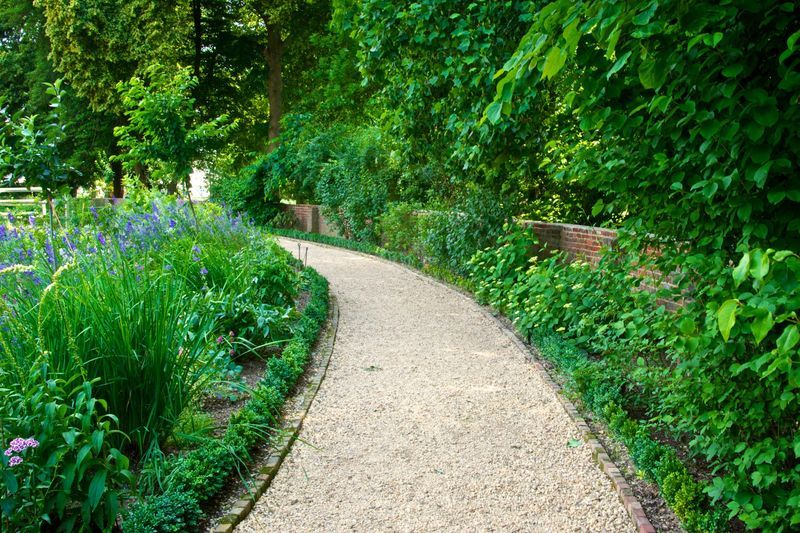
x,y
14,461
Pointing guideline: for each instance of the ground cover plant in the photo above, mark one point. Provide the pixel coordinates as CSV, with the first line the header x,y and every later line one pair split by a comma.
x,y
113,330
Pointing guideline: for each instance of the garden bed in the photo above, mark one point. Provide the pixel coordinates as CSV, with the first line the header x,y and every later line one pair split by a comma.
x,y
146,351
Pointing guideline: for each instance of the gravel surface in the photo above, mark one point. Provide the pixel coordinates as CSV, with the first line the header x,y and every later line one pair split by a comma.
x,y
430,419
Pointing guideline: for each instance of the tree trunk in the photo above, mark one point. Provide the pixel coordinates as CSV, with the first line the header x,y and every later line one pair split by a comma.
x,y
273,54
197,16
119,191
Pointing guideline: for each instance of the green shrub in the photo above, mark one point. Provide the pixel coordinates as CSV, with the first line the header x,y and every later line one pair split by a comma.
x,y
452,236
400,228
69,476
200,474
172,512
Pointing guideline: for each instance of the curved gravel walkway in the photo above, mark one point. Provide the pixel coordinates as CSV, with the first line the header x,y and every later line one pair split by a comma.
x,y
429,419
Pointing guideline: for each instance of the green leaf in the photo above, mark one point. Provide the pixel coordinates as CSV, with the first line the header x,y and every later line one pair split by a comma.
x,y
644,17
686,325
10,481
597,208
97,440
574,443
788,338
96,488
760,175
69,437
733,70
761,326
726,317
554,61
618,65
766,115
740,272
652,74
754,131
759,264
493,112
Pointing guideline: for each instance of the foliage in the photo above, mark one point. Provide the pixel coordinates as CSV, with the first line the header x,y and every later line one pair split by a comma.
x,y
599,387
454,236
132,312
687,120
164,133
400,227
31,146
172,512
200,474
69,474
717,373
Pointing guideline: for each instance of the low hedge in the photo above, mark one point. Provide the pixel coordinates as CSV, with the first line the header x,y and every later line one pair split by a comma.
x,y
199,475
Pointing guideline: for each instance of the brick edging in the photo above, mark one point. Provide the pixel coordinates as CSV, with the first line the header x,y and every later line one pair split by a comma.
x,y
291,425
599,453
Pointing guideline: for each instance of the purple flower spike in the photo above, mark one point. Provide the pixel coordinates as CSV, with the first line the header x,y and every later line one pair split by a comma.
x,y
219,339
14,461
101,238
32,220
203,271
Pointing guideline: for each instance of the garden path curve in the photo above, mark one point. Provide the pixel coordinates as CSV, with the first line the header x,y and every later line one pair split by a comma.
x,y
429,419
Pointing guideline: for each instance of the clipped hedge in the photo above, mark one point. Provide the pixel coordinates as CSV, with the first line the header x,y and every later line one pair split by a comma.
x,y
199,475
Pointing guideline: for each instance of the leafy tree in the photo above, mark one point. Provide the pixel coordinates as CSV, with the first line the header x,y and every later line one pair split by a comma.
x,y
30,147
164,134
434,62
282,21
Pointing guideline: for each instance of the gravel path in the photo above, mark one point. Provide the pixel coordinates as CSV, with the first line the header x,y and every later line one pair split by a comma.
x,y
429,419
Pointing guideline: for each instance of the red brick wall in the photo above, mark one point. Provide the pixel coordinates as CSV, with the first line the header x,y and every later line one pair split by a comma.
x,y
583,242
310,219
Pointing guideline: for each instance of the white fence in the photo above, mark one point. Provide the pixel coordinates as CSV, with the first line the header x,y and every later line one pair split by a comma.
x,y
24,198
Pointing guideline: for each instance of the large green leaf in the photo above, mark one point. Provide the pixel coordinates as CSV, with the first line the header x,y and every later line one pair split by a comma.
x,y
740,272
554,61
96,488
788,338
726,317
761,325
619,64
652,74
